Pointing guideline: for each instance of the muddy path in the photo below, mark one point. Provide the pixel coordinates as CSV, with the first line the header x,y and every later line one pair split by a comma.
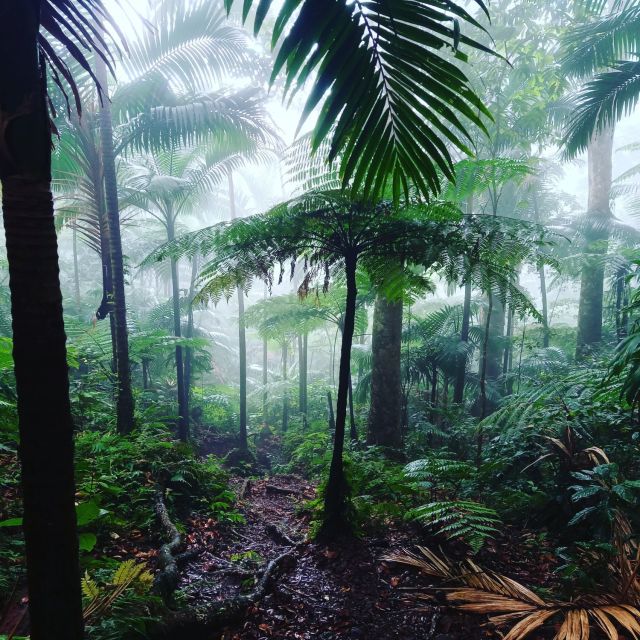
x,y
329,592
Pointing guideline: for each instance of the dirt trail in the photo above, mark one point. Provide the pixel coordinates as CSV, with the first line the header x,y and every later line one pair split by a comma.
x,y
330,593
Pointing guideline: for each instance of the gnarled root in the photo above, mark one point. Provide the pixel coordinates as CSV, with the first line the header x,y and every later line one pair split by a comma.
x,y
201,621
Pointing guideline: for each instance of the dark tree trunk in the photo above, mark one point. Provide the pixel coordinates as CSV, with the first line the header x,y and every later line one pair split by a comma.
x,y
484,361
495,347
285,390
621,303
183,403
385,412
39,350
461,375
508,353
433,401
598,218
145,373
335,498
124,400
242,340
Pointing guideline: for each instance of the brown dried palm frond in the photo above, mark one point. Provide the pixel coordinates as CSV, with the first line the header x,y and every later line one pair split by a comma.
x,y
505,601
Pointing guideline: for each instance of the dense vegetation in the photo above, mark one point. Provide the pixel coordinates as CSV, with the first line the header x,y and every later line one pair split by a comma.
x,y
415,316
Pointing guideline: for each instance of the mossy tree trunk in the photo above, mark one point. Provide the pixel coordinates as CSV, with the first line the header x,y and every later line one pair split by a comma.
x,y
39,341
596,237
385,412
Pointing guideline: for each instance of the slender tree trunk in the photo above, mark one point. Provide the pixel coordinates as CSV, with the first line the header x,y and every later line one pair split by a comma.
x,y
461,375
242,338
385,412
598,218
484,363
336,492
265,379
285,392
39,350
545,307
76,271
145,373
124,400
434,393
353,431
305,369
183,407
508,353
621,320
188,355
332,419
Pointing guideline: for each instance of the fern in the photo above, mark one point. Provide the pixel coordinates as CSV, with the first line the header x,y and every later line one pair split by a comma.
x,y
439,470
128,575
471,522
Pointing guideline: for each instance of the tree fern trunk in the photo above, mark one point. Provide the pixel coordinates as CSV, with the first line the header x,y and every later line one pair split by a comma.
x,y
335,498
183,406
285,391
265,379
242,339
39,349
188,356
124,401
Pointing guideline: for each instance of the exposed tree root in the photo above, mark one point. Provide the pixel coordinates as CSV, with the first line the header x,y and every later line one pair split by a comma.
x,y
244,489
280,536
201,621
166,580
272,488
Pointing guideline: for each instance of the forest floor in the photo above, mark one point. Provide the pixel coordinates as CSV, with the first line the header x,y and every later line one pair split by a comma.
x,y
330,592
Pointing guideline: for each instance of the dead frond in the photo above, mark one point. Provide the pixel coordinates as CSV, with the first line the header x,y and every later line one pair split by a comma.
x,y
507,602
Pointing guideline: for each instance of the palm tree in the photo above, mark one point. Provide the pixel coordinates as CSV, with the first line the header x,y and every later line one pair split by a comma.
x,y
167,185
46,429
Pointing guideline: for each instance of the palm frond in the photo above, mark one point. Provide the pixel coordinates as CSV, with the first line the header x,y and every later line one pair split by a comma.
x,y
387,91
603,101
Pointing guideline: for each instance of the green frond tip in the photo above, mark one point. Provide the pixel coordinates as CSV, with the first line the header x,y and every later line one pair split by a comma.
x,y
387,89
601,103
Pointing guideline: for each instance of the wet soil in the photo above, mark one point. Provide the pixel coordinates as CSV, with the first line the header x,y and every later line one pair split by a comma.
x,y
330,592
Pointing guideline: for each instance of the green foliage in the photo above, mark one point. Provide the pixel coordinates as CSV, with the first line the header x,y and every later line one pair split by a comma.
x,y
110,467
463,520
